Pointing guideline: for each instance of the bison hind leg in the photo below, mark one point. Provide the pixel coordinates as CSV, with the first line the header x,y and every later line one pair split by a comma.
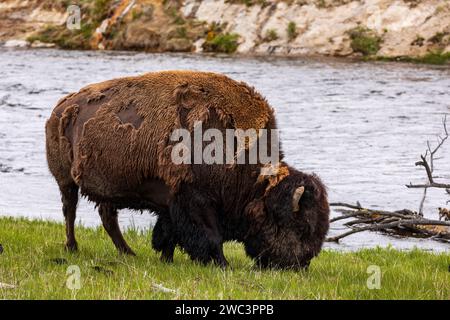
x,y
163,239
69,198
108,214
59,161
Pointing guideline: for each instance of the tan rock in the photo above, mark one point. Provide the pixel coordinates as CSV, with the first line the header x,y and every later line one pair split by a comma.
x,y
178,45
39,44
140,37
16,43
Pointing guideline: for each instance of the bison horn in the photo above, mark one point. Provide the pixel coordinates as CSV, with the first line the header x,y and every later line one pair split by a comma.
x,y
296,198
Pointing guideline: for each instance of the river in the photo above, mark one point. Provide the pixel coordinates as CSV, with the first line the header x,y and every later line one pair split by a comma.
x,y
360,126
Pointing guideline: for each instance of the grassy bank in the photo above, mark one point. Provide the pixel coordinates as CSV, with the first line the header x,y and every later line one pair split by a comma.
x,y
432,58
35,262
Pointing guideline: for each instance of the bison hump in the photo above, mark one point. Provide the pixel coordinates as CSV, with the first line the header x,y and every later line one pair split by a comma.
x,y
232,100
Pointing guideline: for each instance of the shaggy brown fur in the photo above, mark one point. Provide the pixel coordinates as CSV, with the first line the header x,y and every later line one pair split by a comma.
x,y
111,141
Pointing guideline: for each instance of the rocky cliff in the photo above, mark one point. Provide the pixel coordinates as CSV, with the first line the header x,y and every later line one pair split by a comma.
x,y
369,28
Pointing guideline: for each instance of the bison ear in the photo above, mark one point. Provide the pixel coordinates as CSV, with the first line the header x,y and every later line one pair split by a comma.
x,y
296,198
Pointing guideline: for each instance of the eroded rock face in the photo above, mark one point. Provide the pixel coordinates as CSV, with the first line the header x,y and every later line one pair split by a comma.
x,y
19,19
322,27
139,37
301,27
178,45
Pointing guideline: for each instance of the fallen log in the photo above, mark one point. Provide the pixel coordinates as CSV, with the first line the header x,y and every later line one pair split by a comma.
x,y
402,223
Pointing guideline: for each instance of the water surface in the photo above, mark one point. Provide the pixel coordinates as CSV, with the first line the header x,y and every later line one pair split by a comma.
x,y
360,126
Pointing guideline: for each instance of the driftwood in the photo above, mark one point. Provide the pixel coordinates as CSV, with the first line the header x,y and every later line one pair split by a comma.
x,y
402,223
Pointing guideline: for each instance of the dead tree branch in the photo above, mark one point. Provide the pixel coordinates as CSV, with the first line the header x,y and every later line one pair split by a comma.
x,y
429,165
395,224
342,204
401,222
427,161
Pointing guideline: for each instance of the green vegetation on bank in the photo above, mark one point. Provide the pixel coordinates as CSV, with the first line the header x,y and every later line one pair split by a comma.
x,y
224,43
219,41
35,263
93,13
364,41
163,28
368,43
434,58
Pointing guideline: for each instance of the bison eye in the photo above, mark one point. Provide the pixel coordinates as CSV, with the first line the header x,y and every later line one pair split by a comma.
x,y
296,198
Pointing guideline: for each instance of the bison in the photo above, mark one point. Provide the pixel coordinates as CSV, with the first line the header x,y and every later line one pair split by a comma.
x,y
111,142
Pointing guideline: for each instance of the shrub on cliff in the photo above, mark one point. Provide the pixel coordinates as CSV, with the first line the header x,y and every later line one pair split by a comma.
x,y
291,31
249,3
224,43
364,41
271,35
65,38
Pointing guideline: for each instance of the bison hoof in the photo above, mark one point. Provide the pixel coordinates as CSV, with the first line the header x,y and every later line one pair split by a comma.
x,y
71,246
166,259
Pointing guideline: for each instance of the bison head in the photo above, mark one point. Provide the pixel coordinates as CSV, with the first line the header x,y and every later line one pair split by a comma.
x,y
288,225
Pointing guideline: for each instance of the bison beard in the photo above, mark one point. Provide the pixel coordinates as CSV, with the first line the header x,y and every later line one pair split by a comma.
x,y
110,141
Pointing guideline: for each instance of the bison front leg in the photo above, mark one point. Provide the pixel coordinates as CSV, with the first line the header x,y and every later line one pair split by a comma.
x,y
197,228
108,215
163,238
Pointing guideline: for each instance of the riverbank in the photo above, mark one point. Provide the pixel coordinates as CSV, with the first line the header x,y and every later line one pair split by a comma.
x,y
34,265
394,30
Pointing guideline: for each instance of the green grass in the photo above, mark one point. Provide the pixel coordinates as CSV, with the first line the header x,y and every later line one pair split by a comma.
x,y
436,57
35,262
433,57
